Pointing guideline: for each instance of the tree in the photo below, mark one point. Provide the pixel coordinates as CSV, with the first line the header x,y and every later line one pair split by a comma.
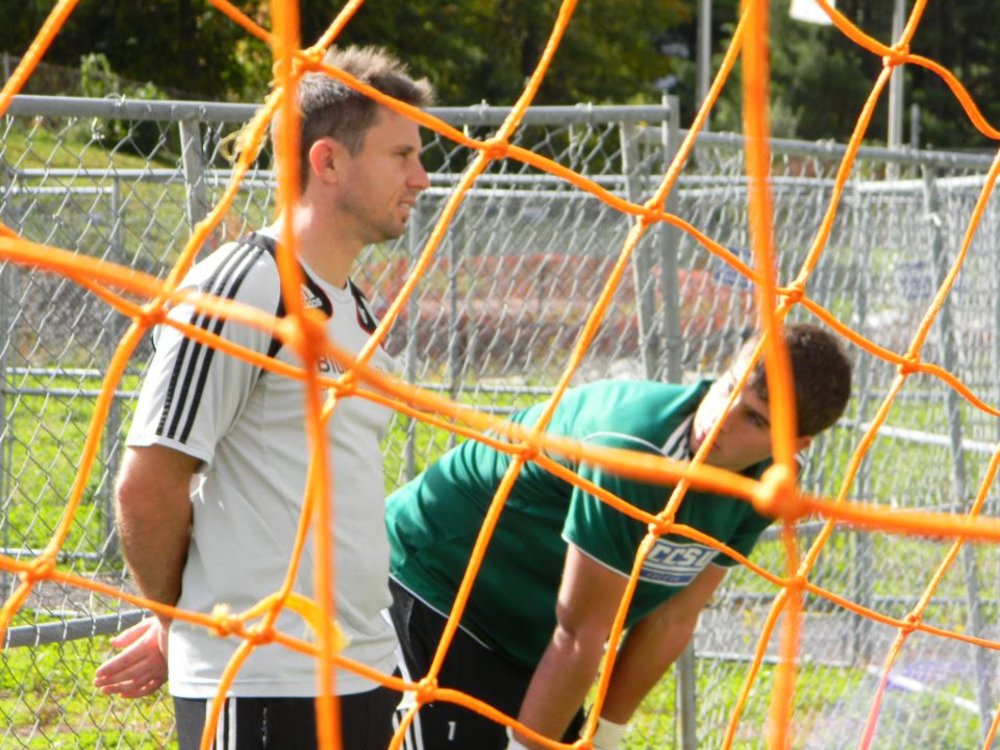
x,y
820,79
182,46
473,50
477,50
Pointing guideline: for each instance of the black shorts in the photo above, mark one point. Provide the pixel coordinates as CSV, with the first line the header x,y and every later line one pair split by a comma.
x,y
470,667
286,723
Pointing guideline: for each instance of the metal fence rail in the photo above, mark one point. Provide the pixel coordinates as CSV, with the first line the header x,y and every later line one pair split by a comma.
x,y
492,323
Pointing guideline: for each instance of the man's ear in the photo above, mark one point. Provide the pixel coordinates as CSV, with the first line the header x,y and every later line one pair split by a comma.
x,y
802,443
325,160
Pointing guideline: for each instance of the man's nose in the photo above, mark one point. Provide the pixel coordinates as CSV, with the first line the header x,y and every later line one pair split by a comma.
x,y
419,179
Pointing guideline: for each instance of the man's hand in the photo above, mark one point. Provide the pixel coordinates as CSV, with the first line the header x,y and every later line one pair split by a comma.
x,y
141,667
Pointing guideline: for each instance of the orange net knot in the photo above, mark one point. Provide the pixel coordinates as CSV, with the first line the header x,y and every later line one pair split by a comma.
x,y
776,496
298,68
426,691
897,55
288,331
224,621
911,621
529,451
909,365
310,58
39,569
152,315
495,148
661,527
651,213
346,383
793,293
259,634
796,584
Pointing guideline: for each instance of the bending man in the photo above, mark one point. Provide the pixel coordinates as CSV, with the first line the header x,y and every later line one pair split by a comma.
x,y
541,608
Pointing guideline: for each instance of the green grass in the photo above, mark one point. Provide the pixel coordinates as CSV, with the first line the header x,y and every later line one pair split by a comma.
x,y
47,435
56,143
45,694
133,219
817,691
46,702
830,707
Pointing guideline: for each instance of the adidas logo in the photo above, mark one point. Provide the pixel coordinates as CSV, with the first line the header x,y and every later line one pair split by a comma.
x,y
309,298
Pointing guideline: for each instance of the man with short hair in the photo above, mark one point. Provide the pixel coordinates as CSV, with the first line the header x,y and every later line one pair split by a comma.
x,y
211,488
534,629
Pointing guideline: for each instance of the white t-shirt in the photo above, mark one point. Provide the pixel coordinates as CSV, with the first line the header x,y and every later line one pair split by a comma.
x,y
247,426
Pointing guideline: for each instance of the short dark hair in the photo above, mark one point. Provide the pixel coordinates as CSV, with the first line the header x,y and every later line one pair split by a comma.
x,y
820,369
331,109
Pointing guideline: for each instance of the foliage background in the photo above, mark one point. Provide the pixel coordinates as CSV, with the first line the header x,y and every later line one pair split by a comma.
x,y
482,50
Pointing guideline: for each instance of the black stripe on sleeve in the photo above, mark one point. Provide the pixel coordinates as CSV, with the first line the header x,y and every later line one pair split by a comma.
x,y
190,372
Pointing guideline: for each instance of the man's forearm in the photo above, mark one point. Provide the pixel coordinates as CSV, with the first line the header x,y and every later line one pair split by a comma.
x,y
154,519
560,684
642,660
155,546
654,643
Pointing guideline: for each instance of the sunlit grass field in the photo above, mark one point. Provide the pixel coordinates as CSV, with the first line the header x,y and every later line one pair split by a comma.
x,y
45,698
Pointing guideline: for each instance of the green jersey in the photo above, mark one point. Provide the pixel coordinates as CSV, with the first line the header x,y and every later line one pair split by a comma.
x,y
434,520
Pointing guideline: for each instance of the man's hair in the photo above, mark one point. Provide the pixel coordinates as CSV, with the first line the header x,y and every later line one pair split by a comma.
x,y
821,371
331,109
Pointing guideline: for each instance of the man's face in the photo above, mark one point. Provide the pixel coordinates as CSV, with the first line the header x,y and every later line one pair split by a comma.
x,y
382,181
745,437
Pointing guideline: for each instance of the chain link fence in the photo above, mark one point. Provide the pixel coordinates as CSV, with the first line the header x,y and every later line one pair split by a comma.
x,y
491,324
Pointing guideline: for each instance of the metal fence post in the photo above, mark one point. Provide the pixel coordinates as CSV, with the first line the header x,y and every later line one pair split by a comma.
x,y
412,327
862,577
455,240
642,261
673,367
111,446
669,236
662,360
996,367
7,343
10,284
959,473
193,164
10,291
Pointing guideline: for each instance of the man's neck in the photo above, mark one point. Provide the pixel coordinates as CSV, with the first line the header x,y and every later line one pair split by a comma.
x,y
319,244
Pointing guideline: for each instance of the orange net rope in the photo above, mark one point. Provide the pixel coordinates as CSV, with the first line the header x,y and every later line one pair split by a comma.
x,y
776,494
